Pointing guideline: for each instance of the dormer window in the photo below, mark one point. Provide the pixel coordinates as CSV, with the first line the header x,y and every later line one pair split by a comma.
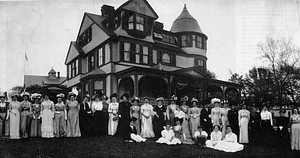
x,y
166,58
136,22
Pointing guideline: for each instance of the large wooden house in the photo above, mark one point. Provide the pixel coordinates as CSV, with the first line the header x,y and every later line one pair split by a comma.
x,y
127,50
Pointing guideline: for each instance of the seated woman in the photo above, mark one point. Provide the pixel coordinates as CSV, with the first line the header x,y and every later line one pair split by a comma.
x,y
215,137
178,128
200,137
168,136
133,132
229,143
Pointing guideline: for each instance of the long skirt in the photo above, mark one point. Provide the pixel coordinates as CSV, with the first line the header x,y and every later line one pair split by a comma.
x,y
163,140
14,124
35,130
295,136
25,123
47,124
225,146
3,124
73,129
98,123
158,126
244,130
147,127
224,120
171,119
187,136
85,123
60,129
112,125
194,123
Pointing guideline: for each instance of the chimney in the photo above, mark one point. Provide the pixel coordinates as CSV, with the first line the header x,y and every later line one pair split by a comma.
x,y
107,10
58,75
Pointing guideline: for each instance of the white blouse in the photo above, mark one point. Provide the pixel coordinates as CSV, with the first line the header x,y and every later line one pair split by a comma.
x,y
97,106
266,115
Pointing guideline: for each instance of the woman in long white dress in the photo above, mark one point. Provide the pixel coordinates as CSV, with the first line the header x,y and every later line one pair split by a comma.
x,y
215,112
295,130
47,114
171,110
73,129
224,118
244,117
113,115
194,115
147,112
229,143
14,115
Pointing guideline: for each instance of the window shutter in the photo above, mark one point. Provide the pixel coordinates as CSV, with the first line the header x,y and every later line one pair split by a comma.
x,y
121,51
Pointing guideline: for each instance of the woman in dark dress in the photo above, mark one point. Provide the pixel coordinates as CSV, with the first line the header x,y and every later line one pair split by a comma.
x,y
97,107
36,116
4,112
123,129
85,117
105,115
159,119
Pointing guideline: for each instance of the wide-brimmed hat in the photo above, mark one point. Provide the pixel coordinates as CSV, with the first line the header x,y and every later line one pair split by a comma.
x,y
96,96
61,95
173,98
135,99
25,94
178,119
125,95
36,96
146,98
185,98
160,99
214,100
15,94
194,100
87,96
115,95
2,95
217,126
71,94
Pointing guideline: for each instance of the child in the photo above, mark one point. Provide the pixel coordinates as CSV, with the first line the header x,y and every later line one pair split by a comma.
x,y
168,136
133,132
200,137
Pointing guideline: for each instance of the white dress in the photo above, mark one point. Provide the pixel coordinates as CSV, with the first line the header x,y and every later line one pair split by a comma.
x,y
168,138
147,127
244,116
229,144
113,112
215,137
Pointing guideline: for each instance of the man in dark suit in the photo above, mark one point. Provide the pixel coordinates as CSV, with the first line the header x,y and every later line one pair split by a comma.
x,y
205,121
124,118
233,119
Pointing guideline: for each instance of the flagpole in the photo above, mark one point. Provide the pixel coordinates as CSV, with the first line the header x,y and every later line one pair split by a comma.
x,y
25,64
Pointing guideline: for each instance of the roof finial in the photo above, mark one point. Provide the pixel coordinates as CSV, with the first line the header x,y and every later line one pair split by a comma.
x,y
184,8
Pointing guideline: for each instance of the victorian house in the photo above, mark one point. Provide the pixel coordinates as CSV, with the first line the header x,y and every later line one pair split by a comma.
x,y
127,50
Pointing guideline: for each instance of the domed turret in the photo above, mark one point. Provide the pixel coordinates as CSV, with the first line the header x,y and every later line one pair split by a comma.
x,y
185,22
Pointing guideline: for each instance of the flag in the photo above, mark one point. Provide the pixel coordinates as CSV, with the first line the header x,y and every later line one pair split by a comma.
x,y
26,58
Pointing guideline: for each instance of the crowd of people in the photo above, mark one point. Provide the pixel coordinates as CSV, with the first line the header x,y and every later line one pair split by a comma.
x,y
191,122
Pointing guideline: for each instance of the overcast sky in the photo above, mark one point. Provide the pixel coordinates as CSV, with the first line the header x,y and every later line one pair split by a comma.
x,y
44,29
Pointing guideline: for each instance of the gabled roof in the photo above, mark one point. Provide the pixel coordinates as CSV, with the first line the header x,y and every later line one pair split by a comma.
x,y
139,6
41,80
97,19
97,72
73,51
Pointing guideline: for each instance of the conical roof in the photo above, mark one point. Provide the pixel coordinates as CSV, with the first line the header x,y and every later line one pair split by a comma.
x,y
52,71
185,22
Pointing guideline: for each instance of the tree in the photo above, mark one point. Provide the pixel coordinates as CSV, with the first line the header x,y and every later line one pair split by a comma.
x,y
282,59
211,74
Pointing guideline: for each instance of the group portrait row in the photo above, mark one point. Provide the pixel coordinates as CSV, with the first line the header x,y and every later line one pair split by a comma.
x,y
180,121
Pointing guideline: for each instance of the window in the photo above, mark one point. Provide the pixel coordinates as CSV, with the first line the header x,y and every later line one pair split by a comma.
x,y
73,69
85,37
116,22
199,42
186,41
136,22
76,67
98,87
157,35
168,39
126,51
92,62
145,55
201,63
107,53
86,88
166,58
69,71
100,57
137,53
154,57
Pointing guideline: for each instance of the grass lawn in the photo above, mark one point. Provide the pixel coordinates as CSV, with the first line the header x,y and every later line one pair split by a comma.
x,y
114,147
